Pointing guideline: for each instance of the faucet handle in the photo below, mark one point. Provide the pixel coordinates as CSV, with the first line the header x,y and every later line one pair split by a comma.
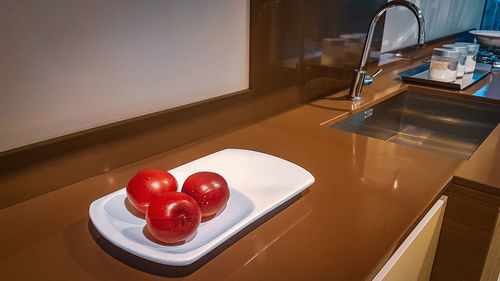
x,y
369,78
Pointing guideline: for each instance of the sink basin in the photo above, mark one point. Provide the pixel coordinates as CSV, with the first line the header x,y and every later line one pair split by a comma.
x,y
449,126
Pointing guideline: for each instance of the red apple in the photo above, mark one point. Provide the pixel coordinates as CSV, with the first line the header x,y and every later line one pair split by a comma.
x,y
172,217
209,189
147,184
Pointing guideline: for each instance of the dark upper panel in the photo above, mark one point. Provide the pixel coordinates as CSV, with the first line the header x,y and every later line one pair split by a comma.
x,y
314,44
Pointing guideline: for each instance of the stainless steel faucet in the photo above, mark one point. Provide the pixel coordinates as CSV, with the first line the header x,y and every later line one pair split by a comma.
x,y
360,73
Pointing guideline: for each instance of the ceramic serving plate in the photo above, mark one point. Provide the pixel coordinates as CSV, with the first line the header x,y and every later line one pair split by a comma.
x,y
258,183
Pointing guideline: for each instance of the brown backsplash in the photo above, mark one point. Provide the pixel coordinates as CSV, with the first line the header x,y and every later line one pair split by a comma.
x,y
287,69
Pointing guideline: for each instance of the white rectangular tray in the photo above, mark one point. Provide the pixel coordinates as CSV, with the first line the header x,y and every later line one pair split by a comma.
x,y
258,183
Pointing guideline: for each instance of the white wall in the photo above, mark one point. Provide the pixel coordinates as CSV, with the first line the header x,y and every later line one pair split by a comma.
x,y
71,65
442,18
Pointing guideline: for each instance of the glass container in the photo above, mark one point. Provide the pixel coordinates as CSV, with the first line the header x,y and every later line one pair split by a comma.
x,y
444,64
463,57
470,63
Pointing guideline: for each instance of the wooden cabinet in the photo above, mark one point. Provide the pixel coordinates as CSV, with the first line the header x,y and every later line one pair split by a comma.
x,y
468,226
491,270
413,260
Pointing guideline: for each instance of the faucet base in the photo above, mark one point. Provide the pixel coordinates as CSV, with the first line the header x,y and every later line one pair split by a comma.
x,y
355,98
357,84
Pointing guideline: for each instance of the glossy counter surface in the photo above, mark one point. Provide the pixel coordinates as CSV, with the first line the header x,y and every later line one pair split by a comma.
x,y
367,196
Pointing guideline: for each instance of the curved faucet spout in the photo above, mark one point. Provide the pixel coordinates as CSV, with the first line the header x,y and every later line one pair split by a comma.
x,y
360,73
415,10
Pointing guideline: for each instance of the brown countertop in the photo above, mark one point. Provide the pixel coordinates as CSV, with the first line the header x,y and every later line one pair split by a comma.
x,y
367,196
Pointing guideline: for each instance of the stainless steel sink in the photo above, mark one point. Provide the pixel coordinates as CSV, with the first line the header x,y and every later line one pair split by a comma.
x,y
450,126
